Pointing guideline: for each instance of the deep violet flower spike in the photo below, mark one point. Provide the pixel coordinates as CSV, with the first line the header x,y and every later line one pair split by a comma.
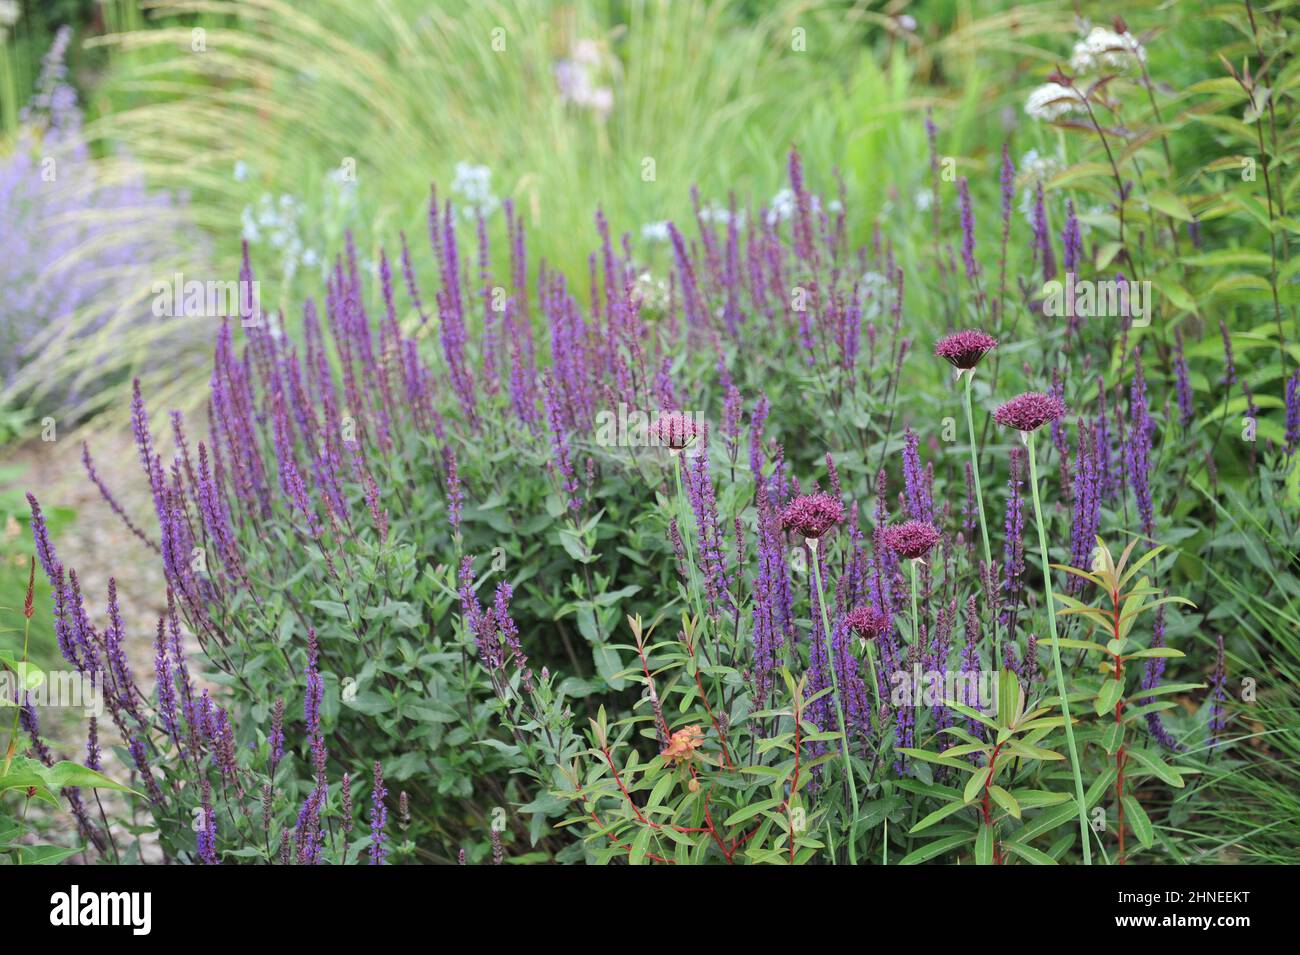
x,y
966,349
812,515
41,535
1030,411
1183,386
93,755
1292,413
911,540
455,495
967,231
1218,720
276,739
378,818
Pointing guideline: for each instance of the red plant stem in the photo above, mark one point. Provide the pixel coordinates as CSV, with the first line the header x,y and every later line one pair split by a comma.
x,y
988,781
614,839
690,648
727,853
626,795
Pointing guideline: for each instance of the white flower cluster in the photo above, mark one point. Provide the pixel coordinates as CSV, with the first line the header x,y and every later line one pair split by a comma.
x,y
716,212
275,220
651,292
1102,50
783,205
655,231
577,79
1051,101
472,185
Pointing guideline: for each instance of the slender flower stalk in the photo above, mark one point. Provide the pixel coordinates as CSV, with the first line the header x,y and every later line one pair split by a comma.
x,y
684,528
839,706
1056,651
964,350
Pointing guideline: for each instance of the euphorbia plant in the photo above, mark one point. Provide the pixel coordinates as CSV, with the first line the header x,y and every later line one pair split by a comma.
x,y
1115,623
1014,731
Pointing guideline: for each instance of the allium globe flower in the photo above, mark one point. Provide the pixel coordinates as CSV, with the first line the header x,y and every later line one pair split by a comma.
x,y
911,540
674,430
964,350
867,622
812,515
1030,411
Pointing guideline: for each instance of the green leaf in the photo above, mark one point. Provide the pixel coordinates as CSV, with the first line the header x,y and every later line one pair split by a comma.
x,y
1038,798
1137,818
975,785
984,845
69,774
30,676
640,846
1066,812
1111,693
937,816
48,855
929,757
1029,853
1154,652
1025,751
938,847
1113,738
748,812
1005,800
1156,766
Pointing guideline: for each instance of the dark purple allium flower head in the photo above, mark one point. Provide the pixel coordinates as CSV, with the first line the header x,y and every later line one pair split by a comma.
x,y
964,350
867,622
812,515
1030,411
911,540
674,430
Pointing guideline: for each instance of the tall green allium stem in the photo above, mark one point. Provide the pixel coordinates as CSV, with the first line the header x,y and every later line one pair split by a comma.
x,y
979,506
1056,653
839,708
916,614
683,528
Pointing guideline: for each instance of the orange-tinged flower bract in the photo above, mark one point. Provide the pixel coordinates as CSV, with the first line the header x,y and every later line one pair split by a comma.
x,y
683,744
